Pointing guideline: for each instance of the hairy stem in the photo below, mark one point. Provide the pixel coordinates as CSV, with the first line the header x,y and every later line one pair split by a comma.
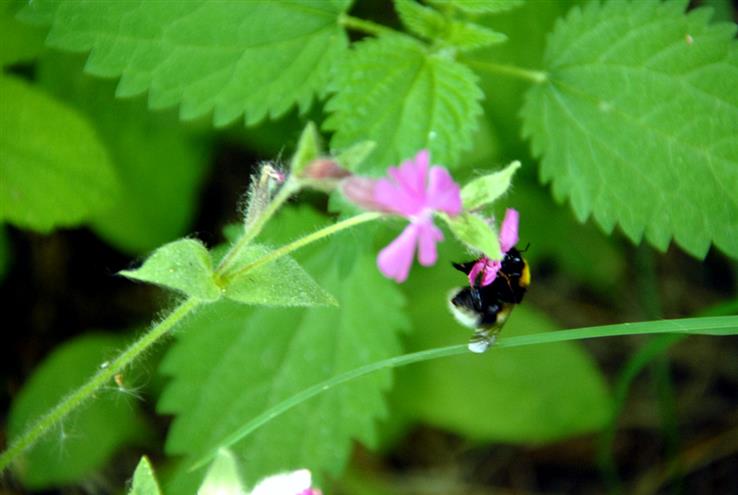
x,y
722,325
295,245
100,379
534,76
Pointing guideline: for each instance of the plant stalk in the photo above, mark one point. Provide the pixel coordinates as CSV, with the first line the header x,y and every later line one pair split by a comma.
x,y
534,76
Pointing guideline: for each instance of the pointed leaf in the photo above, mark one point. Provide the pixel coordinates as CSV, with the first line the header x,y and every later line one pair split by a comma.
x,y
222,477
467,36
475,233
480,6
637,122
257,58
308,149
54,172
144,481
420,20
280,283
393,91
182,265
486,189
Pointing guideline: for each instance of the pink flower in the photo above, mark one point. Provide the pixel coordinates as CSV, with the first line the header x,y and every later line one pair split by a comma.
x,y
508,238
291,483
414,192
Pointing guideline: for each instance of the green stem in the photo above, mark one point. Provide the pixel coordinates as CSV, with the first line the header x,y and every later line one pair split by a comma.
x,y
310,238
534,76
102,377
287,190
720,325
363,25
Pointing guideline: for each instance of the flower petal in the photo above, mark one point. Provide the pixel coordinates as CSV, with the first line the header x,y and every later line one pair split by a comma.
x,y
443,193
428,236
360,191
394,261
396,198
509,230
291,483
411,174
488,268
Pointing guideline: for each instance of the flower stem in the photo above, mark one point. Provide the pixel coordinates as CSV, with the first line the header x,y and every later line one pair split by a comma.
x,y
363,25
534,76
720,325
304,241
98,380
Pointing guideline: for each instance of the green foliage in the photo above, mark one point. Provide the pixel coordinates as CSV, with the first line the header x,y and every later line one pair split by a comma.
x,y
87,439
182,265
538,393
637,122
232,362
475,232
18,42
279,283
257,58
481,6
308,149
486,189
144,481
396,92
420,20
5,253
160,166
54,172
222,477
466,36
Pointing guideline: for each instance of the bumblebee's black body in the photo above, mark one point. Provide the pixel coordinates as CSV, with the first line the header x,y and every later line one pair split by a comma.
x,y
486,308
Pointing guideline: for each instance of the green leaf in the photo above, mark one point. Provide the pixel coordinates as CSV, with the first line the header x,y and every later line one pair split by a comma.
x,y
480,6
476,233
395,92
54,172
232,362
515,395
486,189
637,122
5,252
159,164
280,283
18,42
257,58
144,481
467,36
222,477
182,265
308,149
90,436
420,20
353,156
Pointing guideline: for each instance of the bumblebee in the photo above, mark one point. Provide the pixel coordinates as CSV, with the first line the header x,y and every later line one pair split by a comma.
x,y
485,309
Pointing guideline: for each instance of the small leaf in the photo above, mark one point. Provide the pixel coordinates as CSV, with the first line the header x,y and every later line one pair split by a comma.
x,y
420,20
18,42
182,265
486,189
475,232
353,156
256,58
83,443
308,149
144,481
54,172
395,92
467,36
636,124
480,6
222,477
279,283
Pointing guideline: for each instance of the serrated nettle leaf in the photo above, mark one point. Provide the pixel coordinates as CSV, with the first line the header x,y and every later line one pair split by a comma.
x,y
222,477
282,282
89,437
308,149
420,20
233,362
397,93
257,58
144,481
637,122
18,42
486,189
476,233
352,157
182,265
54,171
160,165
480,6
467,36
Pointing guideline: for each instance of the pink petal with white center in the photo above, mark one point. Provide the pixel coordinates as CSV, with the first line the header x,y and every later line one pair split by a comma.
x,y
428,236
443,193
394,261
509,230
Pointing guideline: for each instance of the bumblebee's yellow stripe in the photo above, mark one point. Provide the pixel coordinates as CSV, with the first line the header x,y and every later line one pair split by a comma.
x,y
525,276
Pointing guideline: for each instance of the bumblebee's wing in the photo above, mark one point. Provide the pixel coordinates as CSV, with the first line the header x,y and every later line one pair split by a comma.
x,y
464,267
486,334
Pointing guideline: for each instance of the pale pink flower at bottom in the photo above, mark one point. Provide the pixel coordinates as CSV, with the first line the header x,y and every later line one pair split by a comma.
x,y
508,238
291,483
